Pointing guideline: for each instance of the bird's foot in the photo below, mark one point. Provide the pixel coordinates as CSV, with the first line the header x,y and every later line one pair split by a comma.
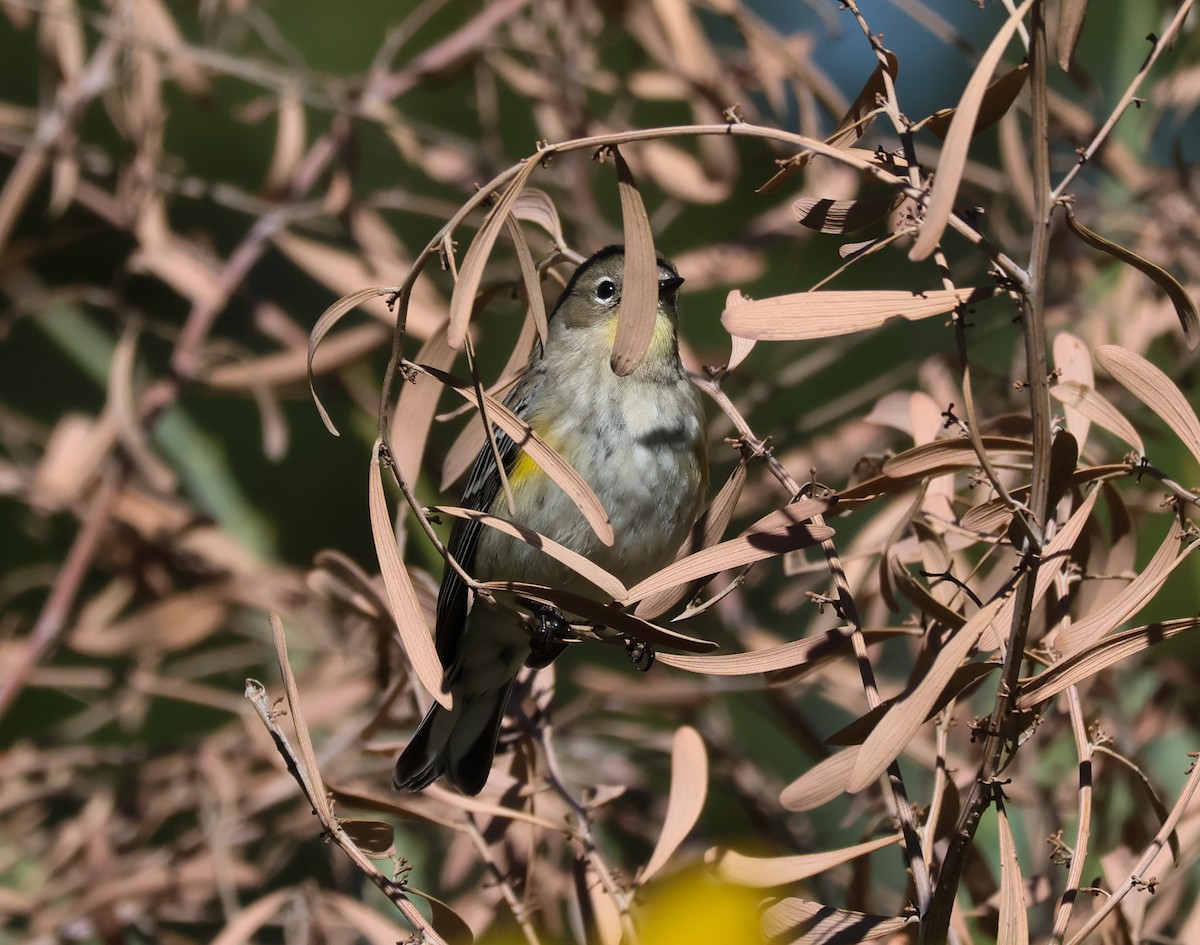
x,y
550,637
640,654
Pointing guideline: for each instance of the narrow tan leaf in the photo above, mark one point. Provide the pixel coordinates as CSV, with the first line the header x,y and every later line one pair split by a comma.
x,y
329,318
1157,391
1013,920
582,566
853,125
1185,308
121,402
958,140
529,277
707,530
639,290
768,660
307,767
550,462
762,872
997,100
826,215
1055,558
289,142
1073,362
782,530
822,782
804,315
402,596
1076,636
1070,22
604,615
948,455
374,926
1098,657
169,624
798,922
416,406
375,838
857,731
685,800
244,923
533,205
461,455
470,274
1089,403
901,722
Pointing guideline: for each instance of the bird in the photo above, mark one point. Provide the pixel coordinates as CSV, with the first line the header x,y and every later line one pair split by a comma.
x,y
638,440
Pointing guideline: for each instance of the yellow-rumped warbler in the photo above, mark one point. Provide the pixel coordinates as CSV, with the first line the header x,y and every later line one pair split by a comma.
x,y
639,442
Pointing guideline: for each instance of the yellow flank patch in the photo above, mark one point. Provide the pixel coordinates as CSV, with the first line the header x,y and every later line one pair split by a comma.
x,y
522,471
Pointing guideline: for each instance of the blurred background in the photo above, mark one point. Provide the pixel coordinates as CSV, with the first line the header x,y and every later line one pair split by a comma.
x,y
186,187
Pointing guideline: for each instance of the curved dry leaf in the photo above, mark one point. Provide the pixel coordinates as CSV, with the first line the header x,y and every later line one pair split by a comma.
x,y
901,722
708,528
780,531
857,731
582,566
374,926
307,769
1013,920
601,614
245,922
638,310
767,660
820,783
685,800
1054,559
550,462
169,624
288,366
1089,403
739,348
452,927
997,100
121,402
799,922
329,318
1070,22
533,205
529,277
470,273
762,872
1153,388
679,174
852,126
413,417
1185,308
958,140
826,215
289,142
1098,657
401,595
826,314
1076,636
949,455
1073,361
376,838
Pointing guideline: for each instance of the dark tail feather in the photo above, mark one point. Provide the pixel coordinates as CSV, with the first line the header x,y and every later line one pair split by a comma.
x,y
460,743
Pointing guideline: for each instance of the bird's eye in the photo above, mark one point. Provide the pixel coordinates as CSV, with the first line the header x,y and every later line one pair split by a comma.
x,y
605,289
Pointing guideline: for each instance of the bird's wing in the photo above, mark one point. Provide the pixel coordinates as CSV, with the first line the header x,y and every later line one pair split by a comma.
x,y
483,485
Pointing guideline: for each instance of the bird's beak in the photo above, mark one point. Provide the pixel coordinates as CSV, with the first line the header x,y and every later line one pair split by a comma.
x,y
668,287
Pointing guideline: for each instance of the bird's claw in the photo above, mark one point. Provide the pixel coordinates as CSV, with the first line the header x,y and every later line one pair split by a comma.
x,y
641,654
550,636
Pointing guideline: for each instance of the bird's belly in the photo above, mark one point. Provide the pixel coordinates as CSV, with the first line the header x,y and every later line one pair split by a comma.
x,y
650,489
